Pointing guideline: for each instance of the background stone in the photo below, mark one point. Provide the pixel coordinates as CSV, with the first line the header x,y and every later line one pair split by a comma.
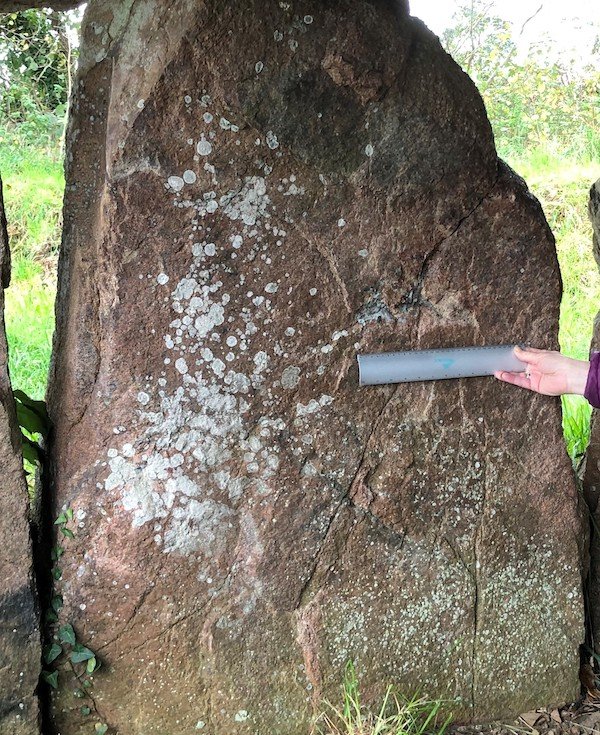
x,y
20,652
255,193
591,472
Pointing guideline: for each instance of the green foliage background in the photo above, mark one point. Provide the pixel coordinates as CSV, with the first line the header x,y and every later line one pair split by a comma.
x,y
539,106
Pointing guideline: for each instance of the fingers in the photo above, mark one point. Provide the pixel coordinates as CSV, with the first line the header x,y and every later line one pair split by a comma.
x,y
531,355
519,379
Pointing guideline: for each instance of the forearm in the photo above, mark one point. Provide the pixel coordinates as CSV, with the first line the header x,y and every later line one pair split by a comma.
x,y
577,376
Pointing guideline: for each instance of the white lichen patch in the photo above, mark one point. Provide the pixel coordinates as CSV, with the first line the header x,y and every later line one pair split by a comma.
x,y
204,147
313,406
271,139
249,203
176,183
290,377
432,615
198,524
194,458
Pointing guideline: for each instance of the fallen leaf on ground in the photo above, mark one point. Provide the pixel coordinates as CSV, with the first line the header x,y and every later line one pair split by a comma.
x,y
588,679
530,718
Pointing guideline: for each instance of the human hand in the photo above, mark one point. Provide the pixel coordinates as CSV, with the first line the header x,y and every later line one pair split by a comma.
x,y
548,372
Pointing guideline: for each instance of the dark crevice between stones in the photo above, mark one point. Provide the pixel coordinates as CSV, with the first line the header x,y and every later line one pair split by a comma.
x,y
588,583
42,540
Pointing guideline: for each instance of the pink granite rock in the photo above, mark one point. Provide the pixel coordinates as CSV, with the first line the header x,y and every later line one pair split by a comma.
x,y
255,193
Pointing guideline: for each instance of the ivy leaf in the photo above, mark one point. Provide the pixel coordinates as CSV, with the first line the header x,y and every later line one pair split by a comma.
x,y
52,652
79,693
29,420
81,653
56,553
69,514
57,573
66,634
31,451
51,616
62,518
36,407
56,603
51,677
67,532
100,728
92,665
85,711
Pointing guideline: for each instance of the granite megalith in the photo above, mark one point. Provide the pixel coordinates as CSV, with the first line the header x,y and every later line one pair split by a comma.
x,y
20,644
257,191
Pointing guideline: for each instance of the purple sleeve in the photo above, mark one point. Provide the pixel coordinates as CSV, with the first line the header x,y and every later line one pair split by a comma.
x,y
592,386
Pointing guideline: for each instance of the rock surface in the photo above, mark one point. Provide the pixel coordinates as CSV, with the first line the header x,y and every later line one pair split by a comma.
x,y
20,651
255,192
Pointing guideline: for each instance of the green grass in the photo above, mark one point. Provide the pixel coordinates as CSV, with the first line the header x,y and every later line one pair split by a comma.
x,y
29,324
396,715
33,184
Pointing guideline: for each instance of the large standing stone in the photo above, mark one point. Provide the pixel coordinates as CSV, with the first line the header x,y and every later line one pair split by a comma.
x,y
257,191
20,651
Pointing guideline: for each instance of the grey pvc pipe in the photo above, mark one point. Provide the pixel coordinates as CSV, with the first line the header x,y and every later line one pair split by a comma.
x,y
454,362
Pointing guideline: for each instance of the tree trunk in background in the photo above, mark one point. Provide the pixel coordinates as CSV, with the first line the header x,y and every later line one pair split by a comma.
x,y
20,648
257,191
591,477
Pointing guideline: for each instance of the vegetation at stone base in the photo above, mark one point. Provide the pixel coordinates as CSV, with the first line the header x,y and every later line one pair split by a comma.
x,y
64,656
397,714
